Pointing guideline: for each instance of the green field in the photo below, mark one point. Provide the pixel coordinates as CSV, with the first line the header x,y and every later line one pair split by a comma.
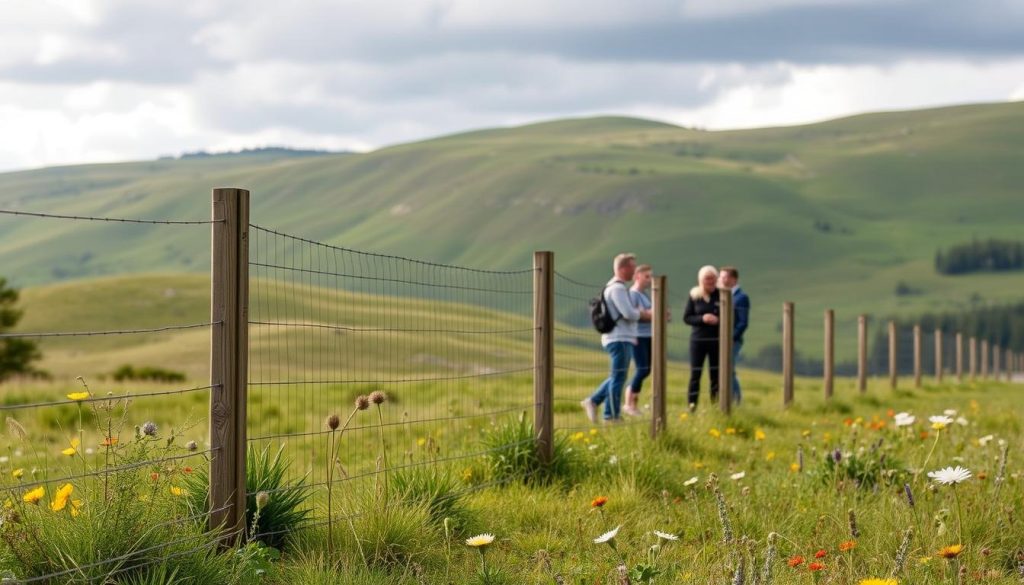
x,y
834,214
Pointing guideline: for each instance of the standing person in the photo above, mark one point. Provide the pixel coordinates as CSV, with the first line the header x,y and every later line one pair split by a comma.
x,y
702,314
642,350
729,278
619,342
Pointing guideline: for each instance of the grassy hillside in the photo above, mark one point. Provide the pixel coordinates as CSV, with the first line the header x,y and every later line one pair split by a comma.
x,y
829,215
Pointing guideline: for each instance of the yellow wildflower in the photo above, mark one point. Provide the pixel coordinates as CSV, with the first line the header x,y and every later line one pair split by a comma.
x,y
759,435
578,436
805,434
60,501
73,448
421,442
879,582
714,433
18,473
684,416
33,496
730,431
78,396
177,491
794,467
593,432
769,456
76,505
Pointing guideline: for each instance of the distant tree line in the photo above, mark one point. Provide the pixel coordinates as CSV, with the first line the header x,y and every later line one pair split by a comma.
x,y
981,256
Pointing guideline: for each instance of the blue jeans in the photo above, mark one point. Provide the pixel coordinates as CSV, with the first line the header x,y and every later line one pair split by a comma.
x,y
737,395
610,391
642,358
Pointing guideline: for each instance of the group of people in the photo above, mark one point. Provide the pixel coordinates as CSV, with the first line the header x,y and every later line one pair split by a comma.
x,y
628,303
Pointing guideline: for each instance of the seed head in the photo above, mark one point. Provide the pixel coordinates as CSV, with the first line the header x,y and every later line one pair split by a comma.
x,y
854,531
149,428
333,422
378,397
362,402
191,446
262,499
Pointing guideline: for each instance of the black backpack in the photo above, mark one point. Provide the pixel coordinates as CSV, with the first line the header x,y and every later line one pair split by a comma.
x,y
600,315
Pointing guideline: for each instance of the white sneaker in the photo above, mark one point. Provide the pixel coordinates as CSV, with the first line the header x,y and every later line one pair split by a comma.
x,y
631,410
591,409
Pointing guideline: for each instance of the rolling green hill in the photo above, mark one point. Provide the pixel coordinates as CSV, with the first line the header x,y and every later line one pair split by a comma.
x,y
834,214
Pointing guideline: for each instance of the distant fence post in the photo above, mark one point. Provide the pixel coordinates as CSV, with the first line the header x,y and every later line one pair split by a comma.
x,y
830,353
959,357
893,371
862,353
1009,365
938,356
544,353
917,356
788,311
995,362
972,349
229,355
984,359
659,363
726,318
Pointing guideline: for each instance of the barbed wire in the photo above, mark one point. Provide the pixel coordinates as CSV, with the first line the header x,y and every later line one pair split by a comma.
x,y
394,381
126,396
110,332
108,219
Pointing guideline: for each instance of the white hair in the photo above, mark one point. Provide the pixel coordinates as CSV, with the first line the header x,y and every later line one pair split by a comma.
x,y
697,292
621,259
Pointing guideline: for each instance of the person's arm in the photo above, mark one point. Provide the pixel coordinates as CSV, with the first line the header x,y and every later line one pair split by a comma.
x,y
620,298
690,316
644,305
742,312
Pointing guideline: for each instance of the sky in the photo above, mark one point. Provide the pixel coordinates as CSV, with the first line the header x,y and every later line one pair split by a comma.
x,y
109,80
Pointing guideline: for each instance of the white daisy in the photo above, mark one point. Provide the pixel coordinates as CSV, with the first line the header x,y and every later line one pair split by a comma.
x,y
961,421
950,475
904,419
949,412
738,476
939,421
613,460
480,540
665,535
985,440
607,536
691,481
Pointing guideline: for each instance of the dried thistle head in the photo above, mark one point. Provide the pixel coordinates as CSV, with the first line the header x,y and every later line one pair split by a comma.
x,y
149,428
378,397
191,446
362,402
333,422
15,429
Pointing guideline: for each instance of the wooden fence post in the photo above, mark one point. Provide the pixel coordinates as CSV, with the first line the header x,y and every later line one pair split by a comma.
x,y
893,371
229,358
788,316
726,318
544,354
917,356
938,356
1009,365
830,353
972,351
862,353
659,361
959,357
995,362
984,359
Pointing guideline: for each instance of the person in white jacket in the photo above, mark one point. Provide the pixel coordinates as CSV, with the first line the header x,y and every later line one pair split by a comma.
x,y
619,342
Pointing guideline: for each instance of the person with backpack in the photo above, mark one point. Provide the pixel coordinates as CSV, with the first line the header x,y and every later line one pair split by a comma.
x,y
642,349
615,317
701,313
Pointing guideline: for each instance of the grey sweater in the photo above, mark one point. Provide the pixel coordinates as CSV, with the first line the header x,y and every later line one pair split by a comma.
x,y
620,305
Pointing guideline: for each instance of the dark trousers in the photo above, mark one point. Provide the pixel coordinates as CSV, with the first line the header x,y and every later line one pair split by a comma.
x,y
642,359
701,349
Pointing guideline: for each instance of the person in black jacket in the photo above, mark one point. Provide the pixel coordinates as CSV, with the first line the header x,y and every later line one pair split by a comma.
x,y
702,314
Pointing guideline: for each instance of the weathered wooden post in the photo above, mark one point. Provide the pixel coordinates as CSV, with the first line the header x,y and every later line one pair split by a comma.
x,y
959,357
917,356
938,356
995,362
1009,365
725,344
544,354
862,353
229,356
893,370
659,347
984,359
972,349
830,353
788,315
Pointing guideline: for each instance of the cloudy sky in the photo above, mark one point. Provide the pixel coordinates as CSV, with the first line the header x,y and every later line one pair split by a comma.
x,y
107,80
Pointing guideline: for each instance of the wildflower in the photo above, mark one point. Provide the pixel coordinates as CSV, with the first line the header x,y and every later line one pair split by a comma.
x,y
76,505
177,491
593,432
608,537
730,431
362,402
467,474
847,546
795,561
904,419
108,442
875,581
940,422
985,440
333,422
714,433
805,433
665,536
154,476
33,496
950,475
378,397
613,460
421,442
949,412
910,495
78,396
262,499
684,416
60,500
982,475
191,446
18,473
693,480
759,435
924,560
738,476
723,510
950,552
822,553
698,465
769,456
149,429
577,436
73,448
837,455
599,502
794,467
816,567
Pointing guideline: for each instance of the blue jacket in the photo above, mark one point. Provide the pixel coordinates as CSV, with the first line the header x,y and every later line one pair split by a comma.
x,y
741,309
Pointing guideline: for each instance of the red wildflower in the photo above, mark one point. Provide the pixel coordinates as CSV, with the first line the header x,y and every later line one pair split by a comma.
x,y
186,470
154,476
848,545
598,502
820,554
795,561
816,566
